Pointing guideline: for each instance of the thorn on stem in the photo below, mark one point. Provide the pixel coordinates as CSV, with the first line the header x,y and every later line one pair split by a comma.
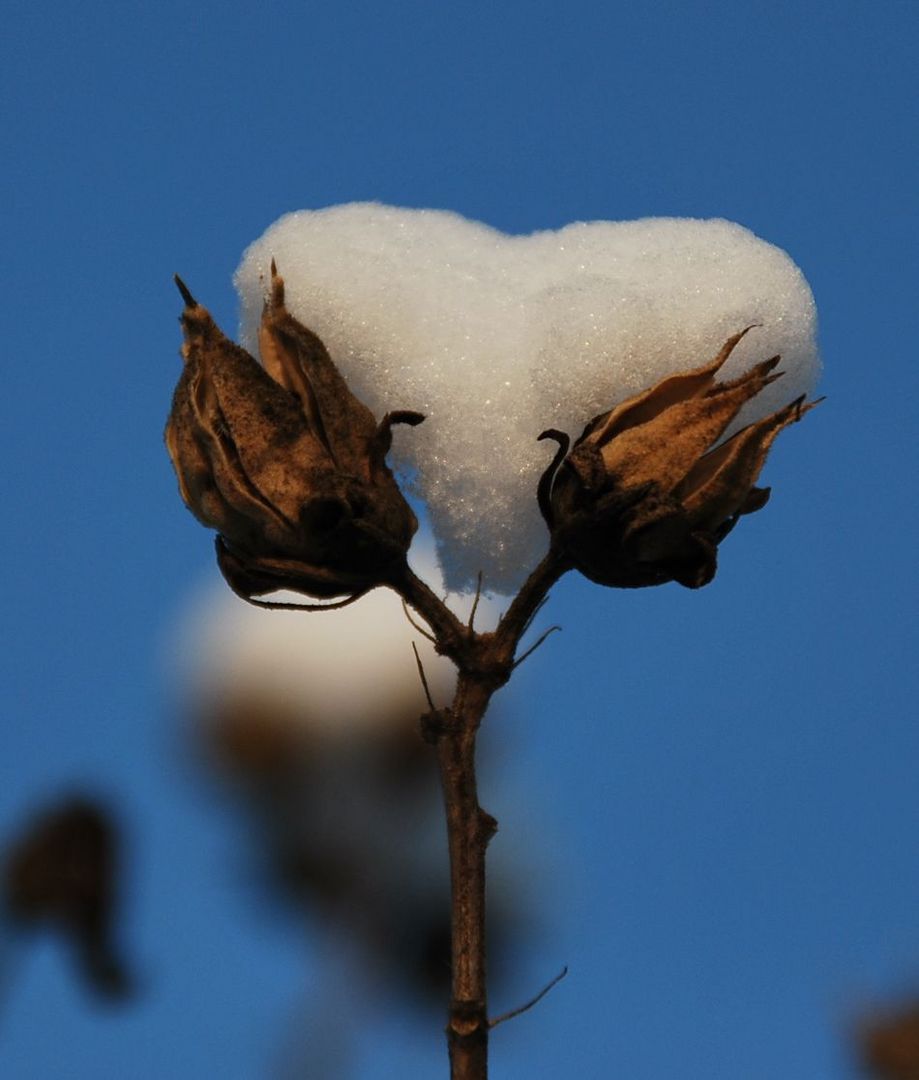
x,y
534,646
536,610
475,602
533,1001
421,630
424,680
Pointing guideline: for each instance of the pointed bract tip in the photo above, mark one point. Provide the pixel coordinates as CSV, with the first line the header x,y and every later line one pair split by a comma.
x,y
735,338
802,406
407,416
276,293
190,301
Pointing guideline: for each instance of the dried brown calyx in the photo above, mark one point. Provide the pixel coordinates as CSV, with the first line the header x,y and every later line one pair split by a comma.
x,y
647,492
284,461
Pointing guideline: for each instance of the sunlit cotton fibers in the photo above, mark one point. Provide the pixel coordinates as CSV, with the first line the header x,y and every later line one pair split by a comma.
x,y
495,338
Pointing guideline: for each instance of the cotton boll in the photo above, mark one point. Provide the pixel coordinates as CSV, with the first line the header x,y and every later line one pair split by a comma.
x,y
334,673
498,337
313,722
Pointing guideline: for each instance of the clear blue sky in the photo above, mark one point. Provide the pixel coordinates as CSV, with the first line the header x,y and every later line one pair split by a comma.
x,y
730,775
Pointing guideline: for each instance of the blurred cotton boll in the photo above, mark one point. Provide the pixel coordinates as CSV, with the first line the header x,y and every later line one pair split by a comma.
x,y
331,674
312,722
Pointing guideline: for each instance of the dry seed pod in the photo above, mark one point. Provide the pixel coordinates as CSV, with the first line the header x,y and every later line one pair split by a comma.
x,y
643,497
284,461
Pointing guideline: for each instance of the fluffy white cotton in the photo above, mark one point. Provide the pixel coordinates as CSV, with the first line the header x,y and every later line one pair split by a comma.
x,y
497,337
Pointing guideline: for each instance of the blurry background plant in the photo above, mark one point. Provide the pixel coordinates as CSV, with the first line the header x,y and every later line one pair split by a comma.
x,y
62,873
887,1042
308,727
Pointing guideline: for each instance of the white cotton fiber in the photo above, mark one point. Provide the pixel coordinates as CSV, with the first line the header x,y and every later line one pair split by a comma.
x,y
497,337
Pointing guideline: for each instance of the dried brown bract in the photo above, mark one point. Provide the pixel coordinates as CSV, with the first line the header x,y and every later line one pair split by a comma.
x,y
645,495
284,461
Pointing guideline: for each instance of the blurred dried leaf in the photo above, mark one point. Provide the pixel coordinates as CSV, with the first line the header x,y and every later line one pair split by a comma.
x,y
61,874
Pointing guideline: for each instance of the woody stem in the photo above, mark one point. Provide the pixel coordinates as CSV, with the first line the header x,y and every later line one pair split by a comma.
x,y
485,662
469,829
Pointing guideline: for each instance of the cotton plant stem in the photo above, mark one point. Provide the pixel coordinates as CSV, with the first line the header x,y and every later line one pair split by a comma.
x,y
516,621
469,829
484,662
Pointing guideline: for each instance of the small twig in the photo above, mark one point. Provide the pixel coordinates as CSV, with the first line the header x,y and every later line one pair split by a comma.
x,y
533,591
484,662
420,629
536,610
424,681
475,602
533,1001
449,634
534,646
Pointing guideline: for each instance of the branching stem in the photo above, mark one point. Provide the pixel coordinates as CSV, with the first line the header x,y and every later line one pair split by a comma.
x,y
484,662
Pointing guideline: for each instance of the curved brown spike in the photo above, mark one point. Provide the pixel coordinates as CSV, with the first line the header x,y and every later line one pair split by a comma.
x,y
382,438
190,301
795,410
556,436
734,340
403,416
669,391
768,365
721,484
544,487
280,357
755,500
806,406
763,372
277,288
200,331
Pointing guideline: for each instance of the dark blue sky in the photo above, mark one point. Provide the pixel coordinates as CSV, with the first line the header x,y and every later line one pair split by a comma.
x,y
729,776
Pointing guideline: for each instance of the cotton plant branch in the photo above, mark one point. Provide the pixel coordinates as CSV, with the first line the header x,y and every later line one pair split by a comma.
x,y
484,664
289,467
